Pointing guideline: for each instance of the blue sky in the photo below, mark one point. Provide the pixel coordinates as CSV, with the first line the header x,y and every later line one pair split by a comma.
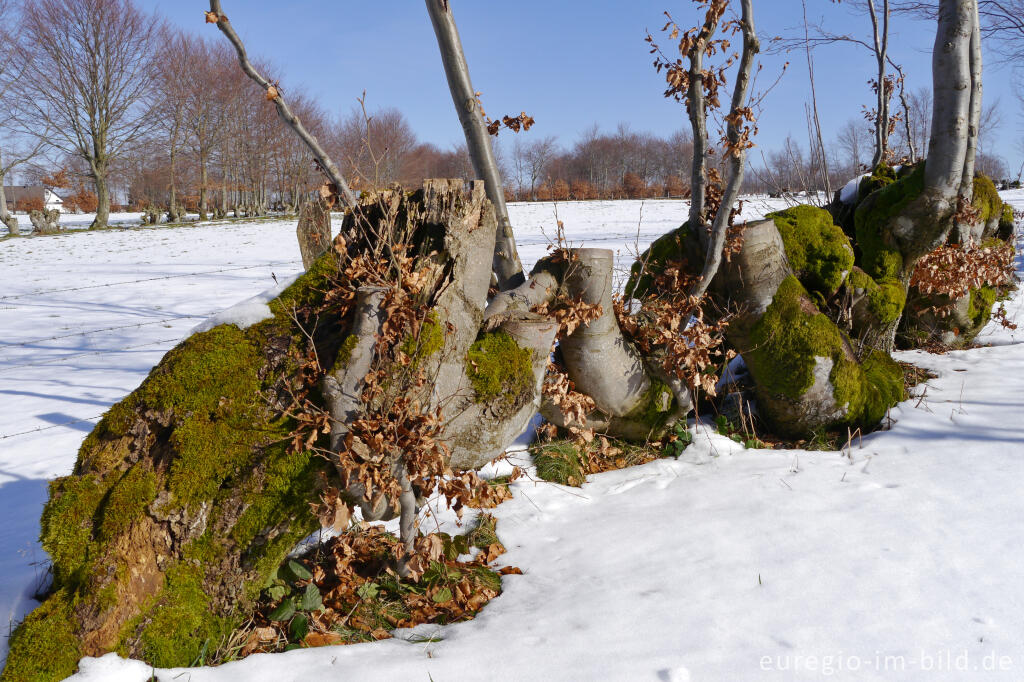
x,y
567,63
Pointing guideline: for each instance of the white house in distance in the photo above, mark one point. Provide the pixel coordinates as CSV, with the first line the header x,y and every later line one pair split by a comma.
x,y
17,194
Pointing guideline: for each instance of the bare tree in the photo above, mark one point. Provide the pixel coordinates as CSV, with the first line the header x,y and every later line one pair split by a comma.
x,y
88,69
173,75
851,140
883,83
15,149
531,161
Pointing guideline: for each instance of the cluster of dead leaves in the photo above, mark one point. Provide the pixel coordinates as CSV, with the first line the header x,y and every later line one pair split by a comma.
x,y
694,44
954,270
397,430
571,314
559,390
514,123
670,327
362,600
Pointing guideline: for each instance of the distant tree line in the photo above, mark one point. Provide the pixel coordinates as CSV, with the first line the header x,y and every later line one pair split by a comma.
x,y
138,113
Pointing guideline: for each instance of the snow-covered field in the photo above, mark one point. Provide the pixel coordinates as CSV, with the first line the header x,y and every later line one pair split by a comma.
x,y
902,562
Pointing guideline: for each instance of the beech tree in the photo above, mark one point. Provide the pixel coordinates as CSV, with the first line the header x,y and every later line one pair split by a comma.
x,y
87,77
16,148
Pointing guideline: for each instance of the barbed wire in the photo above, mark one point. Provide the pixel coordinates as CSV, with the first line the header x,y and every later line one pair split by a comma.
x,y
105,351
52,426
147,279
7,346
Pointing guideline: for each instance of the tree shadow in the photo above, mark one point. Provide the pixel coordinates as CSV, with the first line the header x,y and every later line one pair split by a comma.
x,y
24,564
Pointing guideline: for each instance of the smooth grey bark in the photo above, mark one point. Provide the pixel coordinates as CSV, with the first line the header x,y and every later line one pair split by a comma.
x,y
966,232
749,281
342,388
599,360
737,156
540,288
506,264
407,524
698,124
952,90
343,385
479,432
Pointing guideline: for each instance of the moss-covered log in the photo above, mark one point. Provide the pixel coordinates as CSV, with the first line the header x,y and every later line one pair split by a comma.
x,y
809,375
181,503
191,491
790,268
949,320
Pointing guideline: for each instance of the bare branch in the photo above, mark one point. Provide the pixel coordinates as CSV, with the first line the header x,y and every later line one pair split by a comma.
x,y
283,110
736,149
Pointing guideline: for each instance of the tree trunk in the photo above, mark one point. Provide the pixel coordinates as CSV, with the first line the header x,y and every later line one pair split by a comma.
x,y
736,152
6,217
172,212
203,177
506,265
102,198
314,231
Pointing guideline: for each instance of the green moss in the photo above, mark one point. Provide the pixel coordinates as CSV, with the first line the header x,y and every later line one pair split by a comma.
x,y
207,369
664,249
886,301
979,309
44,647
868,389
127,500
817,249
880,177
181,627
213,437
429,341
211,383
67,526
498,367
655,406
792,333
119,418
787,338
308,288
559,462
345,352
284,488
859,279
881,258
209,451
1006,222
986,199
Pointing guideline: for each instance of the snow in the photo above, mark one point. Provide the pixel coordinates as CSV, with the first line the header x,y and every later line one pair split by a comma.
x,y
250,311
848,194
900,558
